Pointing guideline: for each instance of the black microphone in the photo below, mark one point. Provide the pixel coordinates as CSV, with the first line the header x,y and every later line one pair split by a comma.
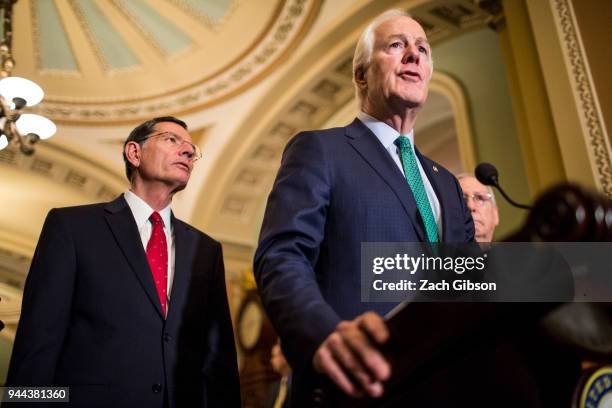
x,y
487,174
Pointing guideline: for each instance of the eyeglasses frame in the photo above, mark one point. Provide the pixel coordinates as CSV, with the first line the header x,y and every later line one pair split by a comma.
x,y
197,153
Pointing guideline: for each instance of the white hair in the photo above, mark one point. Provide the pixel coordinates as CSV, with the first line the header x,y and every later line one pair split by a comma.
x,y
365,46
466,175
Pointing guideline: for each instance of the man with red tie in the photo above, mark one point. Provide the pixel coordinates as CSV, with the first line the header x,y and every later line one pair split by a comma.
x,y
124,303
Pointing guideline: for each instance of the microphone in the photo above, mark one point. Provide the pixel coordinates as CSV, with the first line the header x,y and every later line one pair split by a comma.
x,y
487,174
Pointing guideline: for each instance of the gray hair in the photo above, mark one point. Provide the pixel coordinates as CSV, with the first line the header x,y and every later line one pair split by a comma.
x,y
466,175
365,46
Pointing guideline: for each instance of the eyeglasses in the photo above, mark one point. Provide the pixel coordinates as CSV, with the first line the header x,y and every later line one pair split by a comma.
x,y
177,141
480,199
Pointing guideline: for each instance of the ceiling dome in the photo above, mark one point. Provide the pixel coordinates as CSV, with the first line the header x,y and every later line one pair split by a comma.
x,y
121,60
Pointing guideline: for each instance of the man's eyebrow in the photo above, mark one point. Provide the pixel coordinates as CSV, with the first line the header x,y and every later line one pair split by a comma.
x,y
394,36
422,40
418,40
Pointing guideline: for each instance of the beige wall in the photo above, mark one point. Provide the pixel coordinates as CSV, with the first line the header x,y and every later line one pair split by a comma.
x,y
475,60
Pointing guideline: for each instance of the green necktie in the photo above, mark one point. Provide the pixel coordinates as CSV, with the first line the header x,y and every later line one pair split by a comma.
x,y
413,176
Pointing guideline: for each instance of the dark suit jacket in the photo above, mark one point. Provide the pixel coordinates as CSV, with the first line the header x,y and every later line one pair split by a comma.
x,y
335,189
91,318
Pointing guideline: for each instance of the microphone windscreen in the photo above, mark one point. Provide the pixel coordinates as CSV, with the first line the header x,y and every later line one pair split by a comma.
x,y
486,173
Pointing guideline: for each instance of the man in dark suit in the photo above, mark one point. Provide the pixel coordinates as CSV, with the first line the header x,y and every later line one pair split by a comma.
x,y
124,303
337,188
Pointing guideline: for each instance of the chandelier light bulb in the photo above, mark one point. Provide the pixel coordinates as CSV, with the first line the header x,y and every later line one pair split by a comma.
x,y
17,87
3,142
39,125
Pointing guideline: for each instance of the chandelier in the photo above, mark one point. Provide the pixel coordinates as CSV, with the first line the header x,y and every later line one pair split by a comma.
x,y
18,128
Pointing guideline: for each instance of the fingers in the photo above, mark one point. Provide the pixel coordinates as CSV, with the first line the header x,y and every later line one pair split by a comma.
x,y
369,358
324,362
375,326
349,357
350,362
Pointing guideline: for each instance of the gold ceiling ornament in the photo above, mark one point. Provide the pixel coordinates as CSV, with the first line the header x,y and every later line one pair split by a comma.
x,y
18,128
280,28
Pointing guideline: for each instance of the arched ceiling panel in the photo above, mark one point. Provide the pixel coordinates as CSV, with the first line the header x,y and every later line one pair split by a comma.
x,y
55,51
111,48
117,61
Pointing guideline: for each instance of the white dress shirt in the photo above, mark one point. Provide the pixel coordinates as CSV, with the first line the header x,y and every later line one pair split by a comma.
x,y
387,136
141,212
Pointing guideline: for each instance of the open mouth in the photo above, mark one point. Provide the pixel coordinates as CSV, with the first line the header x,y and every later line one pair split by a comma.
x,y
410,75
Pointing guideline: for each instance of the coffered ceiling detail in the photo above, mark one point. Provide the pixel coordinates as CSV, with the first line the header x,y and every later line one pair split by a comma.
x,y
125,60
58,166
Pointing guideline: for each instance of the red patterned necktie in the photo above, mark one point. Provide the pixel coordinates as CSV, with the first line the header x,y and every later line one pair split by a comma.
x,y
157,254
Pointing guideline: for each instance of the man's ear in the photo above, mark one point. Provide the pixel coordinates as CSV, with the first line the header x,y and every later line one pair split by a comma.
x,y
360,78
132,152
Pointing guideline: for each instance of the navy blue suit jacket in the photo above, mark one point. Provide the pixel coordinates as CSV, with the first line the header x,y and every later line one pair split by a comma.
x,y
91,318
335,189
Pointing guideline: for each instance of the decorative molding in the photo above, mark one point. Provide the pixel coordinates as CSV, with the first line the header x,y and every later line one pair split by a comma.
x,y
13,266
311,108
13,271
452,90
36,34
206,19
93,42
584,91
34,15
289,27
442,20
10,310
146,35
64,172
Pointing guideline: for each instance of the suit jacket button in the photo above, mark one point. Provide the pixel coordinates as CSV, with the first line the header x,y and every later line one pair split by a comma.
x,y
167,337
156,388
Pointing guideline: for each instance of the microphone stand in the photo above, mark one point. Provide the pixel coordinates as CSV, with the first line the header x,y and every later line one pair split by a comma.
x,y
511,201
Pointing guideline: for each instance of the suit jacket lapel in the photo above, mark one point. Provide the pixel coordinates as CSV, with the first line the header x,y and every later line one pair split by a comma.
x,y
121,222
373,152
183,256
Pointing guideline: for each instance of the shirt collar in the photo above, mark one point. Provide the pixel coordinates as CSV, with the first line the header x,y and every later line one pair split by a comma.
x,y
142,211
385,133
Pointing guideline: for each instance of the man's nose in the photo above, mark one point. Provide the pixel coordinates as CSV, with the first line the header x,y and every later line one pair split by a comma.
x,y
470,203
411,55
187,150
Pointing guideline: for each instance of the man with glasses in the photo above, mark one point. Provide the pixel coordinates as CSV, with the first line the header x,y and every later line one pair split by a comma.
x,y
126,304
481,202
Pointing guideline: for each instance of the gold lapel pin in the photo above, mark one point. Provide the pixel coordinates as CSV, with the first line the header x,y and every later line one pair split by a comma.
x,y
435,169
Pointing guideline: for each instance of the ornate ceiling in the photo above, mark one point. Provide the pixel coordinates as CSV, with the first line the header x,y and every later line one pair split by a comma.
x,y
123,60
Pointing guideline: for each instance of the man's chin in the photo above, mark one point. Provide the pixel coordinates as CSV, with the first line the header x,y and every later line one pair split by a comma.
x,y
179,185
410,101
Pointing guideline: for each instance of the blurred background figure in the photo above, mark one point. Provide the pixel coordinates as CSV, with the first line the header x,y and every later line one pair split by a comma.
x,y
279,397
278,361
481,202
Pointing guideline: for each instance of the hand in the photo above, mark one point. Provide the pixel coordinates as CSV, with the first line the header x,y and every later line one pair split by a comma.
x,y
350,354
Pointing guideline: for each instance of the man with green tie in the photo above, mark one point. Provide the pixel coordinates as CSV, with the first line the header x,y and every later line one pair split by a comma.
x,y
337,188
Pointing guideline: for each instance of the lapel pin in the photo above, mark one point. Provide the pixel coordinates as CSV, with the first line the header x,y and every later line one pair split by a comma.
x,y
435,169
